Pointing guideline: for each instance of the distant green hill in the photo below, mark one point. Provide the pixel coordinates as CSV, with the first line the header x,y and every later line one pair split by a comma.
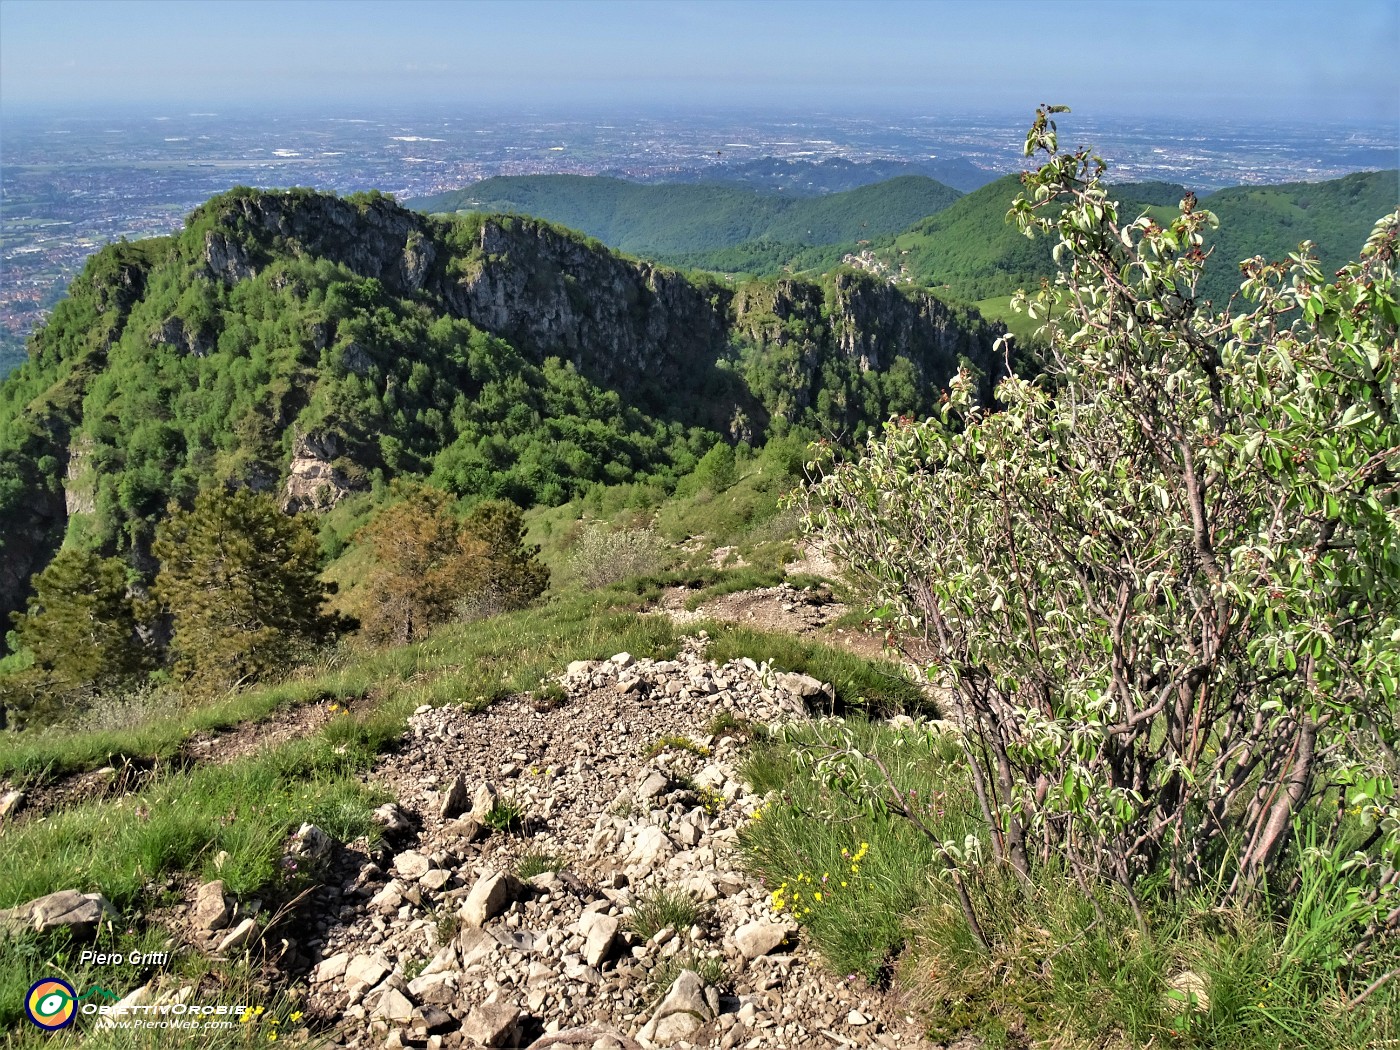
x,y
670,221
807,178
971,250
1271,220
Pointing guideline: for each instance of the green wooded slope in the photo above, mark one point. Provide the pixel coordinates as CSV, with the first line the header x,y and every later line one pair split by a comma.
x,y
668,220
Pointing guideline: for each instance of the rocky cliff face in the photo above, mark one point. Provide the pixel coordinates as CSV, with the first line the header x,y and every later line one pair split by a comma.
x,y
619,321
875,323
627,324
375,239
676,349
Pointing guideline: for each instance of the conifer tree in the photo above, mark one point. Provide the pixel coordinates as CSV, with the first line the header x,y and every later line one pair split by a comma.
x,y
717,469
239,580
425,560
428,562
514,574
80,625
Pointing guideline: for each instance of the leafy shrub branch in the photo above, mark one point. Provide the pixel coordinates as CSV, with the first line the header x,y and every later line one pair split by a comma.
x,y
1162,577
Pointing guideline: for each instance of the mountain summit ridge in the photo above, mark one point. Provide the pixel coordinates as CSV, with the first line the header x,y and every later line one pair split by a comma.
x,y
321,346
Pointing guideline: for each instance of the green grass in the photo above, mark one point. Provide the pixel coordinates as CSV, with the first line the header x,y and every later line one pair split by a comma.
x,y
181,823
461,663
506,814
727,723
675,743
127,849
711,971
1056,974
537,863
748,516
157,735
998,308
871,870
658,908
178,825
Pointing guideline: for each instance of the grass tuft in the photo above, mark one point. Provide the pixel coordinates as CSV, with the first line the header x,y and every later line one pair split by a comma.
x,y
506,814
659,908
675,743
711,971
536,863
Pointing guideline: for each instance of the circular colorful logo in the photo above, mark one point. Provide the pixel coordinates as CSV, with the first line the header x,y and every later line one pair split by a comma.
x,y
51,1004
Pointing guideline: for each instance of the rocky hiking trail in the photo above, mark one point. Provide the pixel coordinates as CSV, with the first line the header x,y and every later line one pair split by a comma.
x,y
501,908
441,945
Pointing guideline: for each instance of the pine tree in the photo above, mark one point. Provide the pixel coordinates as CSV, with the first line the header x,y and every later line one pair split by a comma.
x,y
717,469
80,625
514,574
425,562
239,580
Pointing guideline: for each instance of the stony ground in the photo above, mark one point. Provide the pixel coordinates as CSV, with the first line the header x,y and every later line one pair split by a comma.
x,y
516,898
625,783
787,609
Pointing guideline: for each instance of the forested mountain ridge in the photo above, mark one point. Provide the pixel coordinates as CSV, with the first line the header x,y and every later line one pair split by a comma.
x,y
317,346
670,221
961,243
975,253
804,178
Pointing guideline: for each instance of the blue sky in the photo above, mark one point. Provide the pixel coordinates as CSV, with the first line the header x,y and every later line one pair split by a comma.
x,y
1278,59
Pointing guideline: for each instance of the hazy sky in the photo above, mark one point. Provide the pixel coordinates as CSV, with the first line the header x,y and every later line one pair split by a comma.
x,y
1272,59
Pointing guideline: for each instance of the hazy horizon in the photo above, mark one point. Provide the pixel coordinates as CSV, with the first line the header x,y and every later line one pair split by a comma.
x,y
1289,61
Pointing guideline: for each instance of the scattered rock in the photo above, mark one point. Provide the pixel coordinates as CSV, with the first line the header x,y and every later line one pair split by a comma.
x,y
761,938
805,686
330,968
1188,989
393,821
489,898
79,912
10,802
454,800
492,1025
465,828
683,1012
310,846
550,957
657,783
601,941
483,802
412,864
651,845
364,972
392,1005
584,1039
211,911
238,937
